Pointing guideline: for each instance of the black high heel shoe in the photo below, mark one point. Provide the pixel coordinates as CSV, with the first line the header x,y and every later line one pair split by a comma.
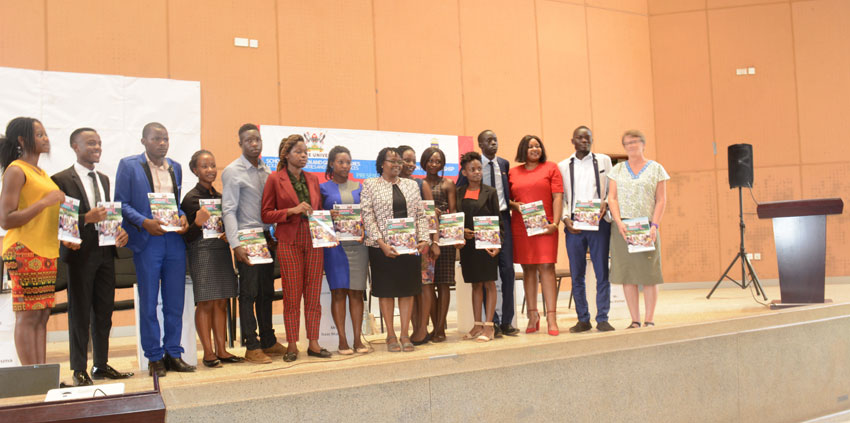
x,y
212,363
231,359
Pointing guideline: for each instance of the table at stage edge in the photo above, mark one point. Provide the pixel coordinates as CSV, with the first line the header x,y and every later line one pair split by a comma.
x,y
799,229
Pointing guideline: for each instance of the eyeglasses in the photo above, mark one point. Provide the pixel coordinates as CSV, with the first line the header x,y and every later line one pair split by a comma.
x,y
395,162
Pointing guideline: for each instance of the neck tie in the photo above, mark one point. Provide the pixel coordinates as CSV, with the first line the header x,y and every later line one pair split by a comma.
x,y
492,174
96,189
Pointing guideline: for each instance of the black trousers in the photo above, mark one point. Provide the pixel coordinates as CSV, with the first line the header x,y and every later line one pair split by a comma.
x,y
256,293
91,300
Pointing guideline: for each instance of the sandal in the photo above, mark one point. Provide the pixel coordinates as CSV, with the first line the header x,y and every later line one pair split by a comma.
x,y
645,324
407,346
393,345
362,350
346,351
473,334
634,325
483,337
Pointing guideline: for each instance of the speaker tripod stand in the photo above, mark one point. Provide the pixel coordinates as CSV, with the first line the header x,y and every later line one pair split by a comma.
x,y
745,262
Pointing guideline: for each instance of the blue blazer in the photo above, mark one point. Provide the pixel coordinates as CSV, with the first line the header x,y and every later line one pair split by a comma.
x,y
133,182
505,167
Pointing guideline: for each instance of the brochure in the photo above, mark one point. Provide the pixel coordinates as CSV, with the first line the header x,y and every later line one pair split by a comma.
x,y
430,215
164,209
637,235
69,218
586,215
401,235
107,230
214,226
348,222
534,217
487,232
255,245
451,229
322,229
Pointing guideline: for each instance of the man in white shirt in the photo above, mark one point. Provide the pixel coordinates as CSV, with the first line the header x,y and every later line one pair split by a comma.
x,y
585,177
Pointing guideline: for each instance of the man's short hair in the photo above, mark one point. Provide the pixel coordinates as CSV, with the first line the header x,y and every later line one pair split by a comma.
x,y
76,133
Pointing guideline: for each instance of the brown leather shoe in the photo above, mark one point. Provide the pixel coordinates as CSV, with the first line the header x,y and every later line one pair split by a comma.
x,y
275,350
257,357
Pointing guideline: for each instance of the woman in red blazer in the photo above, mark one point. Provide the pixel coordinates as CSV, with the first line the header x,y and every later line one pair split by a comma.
x,y
289,197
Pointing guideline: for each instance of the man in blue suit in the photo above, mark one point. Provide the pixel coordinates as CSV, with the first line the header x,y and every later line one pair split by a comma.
x,y
495,174
159,256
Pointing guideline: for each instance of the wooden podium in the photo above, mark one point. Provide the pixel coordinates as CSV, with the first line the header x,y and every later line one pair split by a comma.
x,y
799,229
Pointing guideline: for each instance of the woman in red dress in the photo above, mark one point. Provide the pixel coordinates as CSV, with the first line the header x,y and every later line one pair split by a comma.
x,y
537,180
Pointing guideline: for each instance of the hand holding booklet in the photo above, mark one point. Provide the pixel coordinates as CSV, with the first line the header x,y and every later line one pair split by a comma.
x,y
534,217
254,242
164,210
69,220
107,230
401,235
451,229
586,215
486,232
431,216
348,222
214,226
322,229
637,235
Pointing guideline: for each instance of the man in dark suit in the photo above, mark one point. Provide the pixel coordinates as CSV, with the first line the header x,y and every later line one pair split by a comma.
x,y
495,170
159,256
91,268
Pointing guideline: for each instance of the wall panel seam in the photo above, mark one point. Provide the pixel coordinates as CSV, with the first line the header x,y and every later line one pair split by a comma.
x,y
277,60
539,72
796,95
713,136
460,57
589,73
375,68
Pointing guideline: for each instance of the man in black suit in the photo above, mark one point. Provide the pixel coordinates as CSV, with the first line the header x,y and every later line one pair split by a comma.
x,y
495,174
91,268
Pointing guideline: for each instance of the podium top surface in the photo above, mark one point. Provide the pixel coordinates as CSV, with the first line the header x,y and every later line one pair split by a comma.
x,y
811,207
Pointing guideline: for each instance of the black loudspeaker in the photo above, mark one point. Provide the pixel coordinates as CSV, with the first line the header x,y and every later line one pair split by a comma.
x,y
740,165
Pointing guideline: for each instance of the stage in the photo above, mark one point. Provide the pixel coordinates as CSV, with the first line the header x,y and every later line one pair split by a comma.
x,y
724,359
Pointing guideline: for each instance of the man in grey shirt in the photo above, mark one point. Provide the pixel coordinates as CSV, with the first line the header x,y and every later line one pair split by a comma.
x,y
243,181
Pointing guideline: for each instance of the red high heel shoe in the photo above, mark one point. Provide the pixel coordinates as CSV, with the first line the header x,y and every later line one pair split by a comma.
x,y
556,331
536,327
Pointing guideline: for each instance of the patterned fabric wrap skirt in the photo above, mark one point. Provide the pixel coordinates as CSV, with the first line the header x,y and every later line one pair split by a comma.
x,y
211,268
33,278
444,268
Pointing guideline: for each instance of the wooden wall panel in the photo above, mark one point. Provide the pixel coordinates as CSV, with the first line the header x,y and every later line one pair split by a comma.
x,y
714,4
633,6
620,78
822,46
690,241
564,75
417,52
682,91
501,85
327,64
830,181
22,38
109,37
758,109
238,84
657,7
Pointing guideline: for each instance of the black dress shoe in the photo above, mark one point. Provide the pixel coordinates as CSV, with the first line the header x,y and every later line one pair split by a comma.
x,y
157,367
604,326
323,353
107,372
81,378
497,331
581,327
423,341
177,364
291,356
231,359
509,330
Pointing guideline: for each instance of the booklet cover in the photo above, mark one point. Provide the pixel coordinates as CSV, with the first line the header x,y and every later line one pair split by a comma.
x,y
255,245
401,235
451,229
637,235
487,232
586,215
69,218
534,217
214,226
107,230
431,216
348,222
164,209
322,229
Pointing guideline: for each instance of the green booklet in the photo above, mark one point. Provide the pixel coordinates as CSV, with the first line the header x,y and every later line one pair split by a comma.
x,y
487,232
637,235
534,217
451,229
107,230
254,242
586,215
164,209
401,235
348,222
69,220
430,216
214,226
322,229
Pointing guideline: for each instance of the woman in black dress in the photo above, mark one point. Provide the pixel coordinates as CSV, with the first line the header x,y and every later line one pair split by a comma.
x,y
479,267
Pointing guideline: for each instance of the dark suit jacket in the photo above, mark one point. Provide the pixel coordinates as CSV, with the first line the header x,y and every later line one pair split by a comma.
x,y
133,182
504,167
69,182
279,195
487,205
